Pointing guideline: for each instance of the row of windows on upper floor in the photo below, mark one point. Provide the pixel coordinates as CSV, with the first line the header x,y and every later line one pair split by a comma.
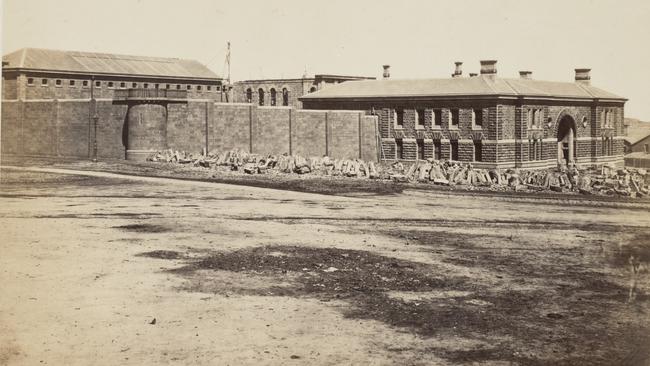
x,y
123,85
273,96
534,118
453,117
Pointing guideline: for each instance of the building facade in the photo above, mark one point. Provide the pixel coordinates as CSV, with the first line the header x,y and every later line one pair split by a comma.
x,y
285,92
488,120
31,74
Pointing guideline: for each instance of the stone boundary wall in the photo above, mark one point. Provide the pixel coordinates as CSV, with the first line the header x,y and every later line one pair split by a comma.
x,y
64,128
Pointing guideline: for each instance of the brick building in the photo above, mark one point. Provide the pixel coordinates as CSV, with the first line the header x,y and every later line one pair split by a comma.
x,y
486,119
30,74
285,92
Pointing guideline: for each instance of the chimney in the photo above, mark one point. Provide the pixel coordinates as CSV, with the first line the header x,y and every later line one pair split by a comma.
x,y
526,74
583,76
459,70
386,71
473,74
489,68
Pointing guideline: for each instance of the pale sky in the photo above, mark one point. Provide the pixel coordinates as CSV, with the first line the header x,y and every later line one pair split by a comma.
x,y
419,39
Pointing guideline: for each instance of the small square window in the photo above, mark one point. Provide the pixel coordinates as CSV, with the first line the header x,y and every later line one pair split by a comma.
x,y
111,84
72,83
156,86
167,86
44,82
84,83
58,82
178,86
145,85
189,87
30,81
198,87
218,88
98,84
209,87
134,85
122,85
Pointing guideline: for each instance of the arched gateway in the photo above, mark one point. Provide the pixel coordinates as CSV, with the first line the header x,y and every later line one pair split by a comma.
x,y
566,140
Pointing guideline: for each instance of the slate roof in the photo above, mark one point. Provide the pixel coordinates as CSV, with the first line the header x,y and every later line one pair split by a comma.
x,y
105,63
464,86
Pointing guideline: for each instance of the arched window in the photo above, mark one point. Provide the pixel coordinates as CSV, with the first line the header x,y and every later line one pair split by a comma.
x,y
273,97
249,95
260,93
285,97
313,89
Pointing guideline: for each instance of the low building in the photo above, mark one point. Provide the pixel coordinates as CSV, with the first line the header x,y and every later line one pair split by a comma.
x,y
637,136
285,92
488,120
31,73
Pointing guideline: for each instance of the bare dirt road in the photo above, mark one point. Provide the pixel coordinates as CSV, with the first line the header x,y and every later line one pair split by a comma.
x,y
100,269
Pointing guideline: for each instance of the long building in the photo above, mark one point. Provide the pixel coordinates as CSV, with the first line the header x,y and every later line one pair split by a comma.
x,y
285,92
32,73
488,120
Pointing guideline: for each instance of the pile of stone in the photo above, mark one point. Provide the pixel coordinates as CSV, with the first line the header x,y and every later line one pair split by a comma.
x,y
604,181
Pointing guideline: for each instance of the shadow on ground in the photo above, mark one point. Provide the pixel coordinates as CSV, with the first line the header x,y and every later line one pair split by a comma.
x,y
547,325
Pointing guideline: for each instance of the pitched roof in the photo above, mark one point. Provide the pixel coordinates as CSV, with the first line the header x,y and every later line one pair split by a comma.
x,y
450,87
105,63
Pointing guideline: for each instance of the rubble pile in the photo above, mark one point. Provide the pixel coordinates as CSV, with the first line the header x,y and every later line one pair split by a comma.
x,y
605,180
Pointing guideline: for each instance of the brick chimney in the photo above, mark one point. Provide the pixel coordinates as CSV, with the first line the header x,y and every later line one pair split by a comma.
x,y
489,68
526,74
386,71
458,72
583,76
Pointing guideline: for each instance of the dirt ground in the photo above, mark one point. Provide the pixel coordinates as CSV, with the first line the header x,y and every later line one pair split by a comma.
x,y
98,268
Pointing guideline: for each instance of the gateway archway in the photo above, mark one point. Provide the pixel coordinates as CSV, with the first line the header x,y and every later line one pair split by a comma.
x,y
566,140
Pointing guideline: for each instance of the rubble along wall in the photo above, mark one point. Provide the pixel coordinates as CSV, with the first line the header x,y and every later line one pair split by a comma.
x,y
279,130
65,128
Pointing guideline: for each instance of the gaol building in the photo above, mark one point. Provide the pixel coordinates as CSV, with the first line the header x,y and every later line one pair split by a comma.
x,y
31,73
285,92
486,119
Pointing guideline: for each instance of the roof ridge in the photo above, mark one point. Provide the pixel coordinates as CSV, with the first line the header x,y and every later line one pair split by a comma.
x,y
511,87
22,58
489,85
584,87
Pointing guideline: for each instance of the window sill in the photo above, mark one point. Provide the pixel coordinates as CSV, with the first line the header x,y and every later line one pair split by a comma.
x,y
398,127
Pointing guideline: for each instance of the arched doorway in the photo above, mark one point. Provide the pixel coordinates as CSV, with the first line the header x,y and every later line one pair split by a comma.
x,y
566,140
